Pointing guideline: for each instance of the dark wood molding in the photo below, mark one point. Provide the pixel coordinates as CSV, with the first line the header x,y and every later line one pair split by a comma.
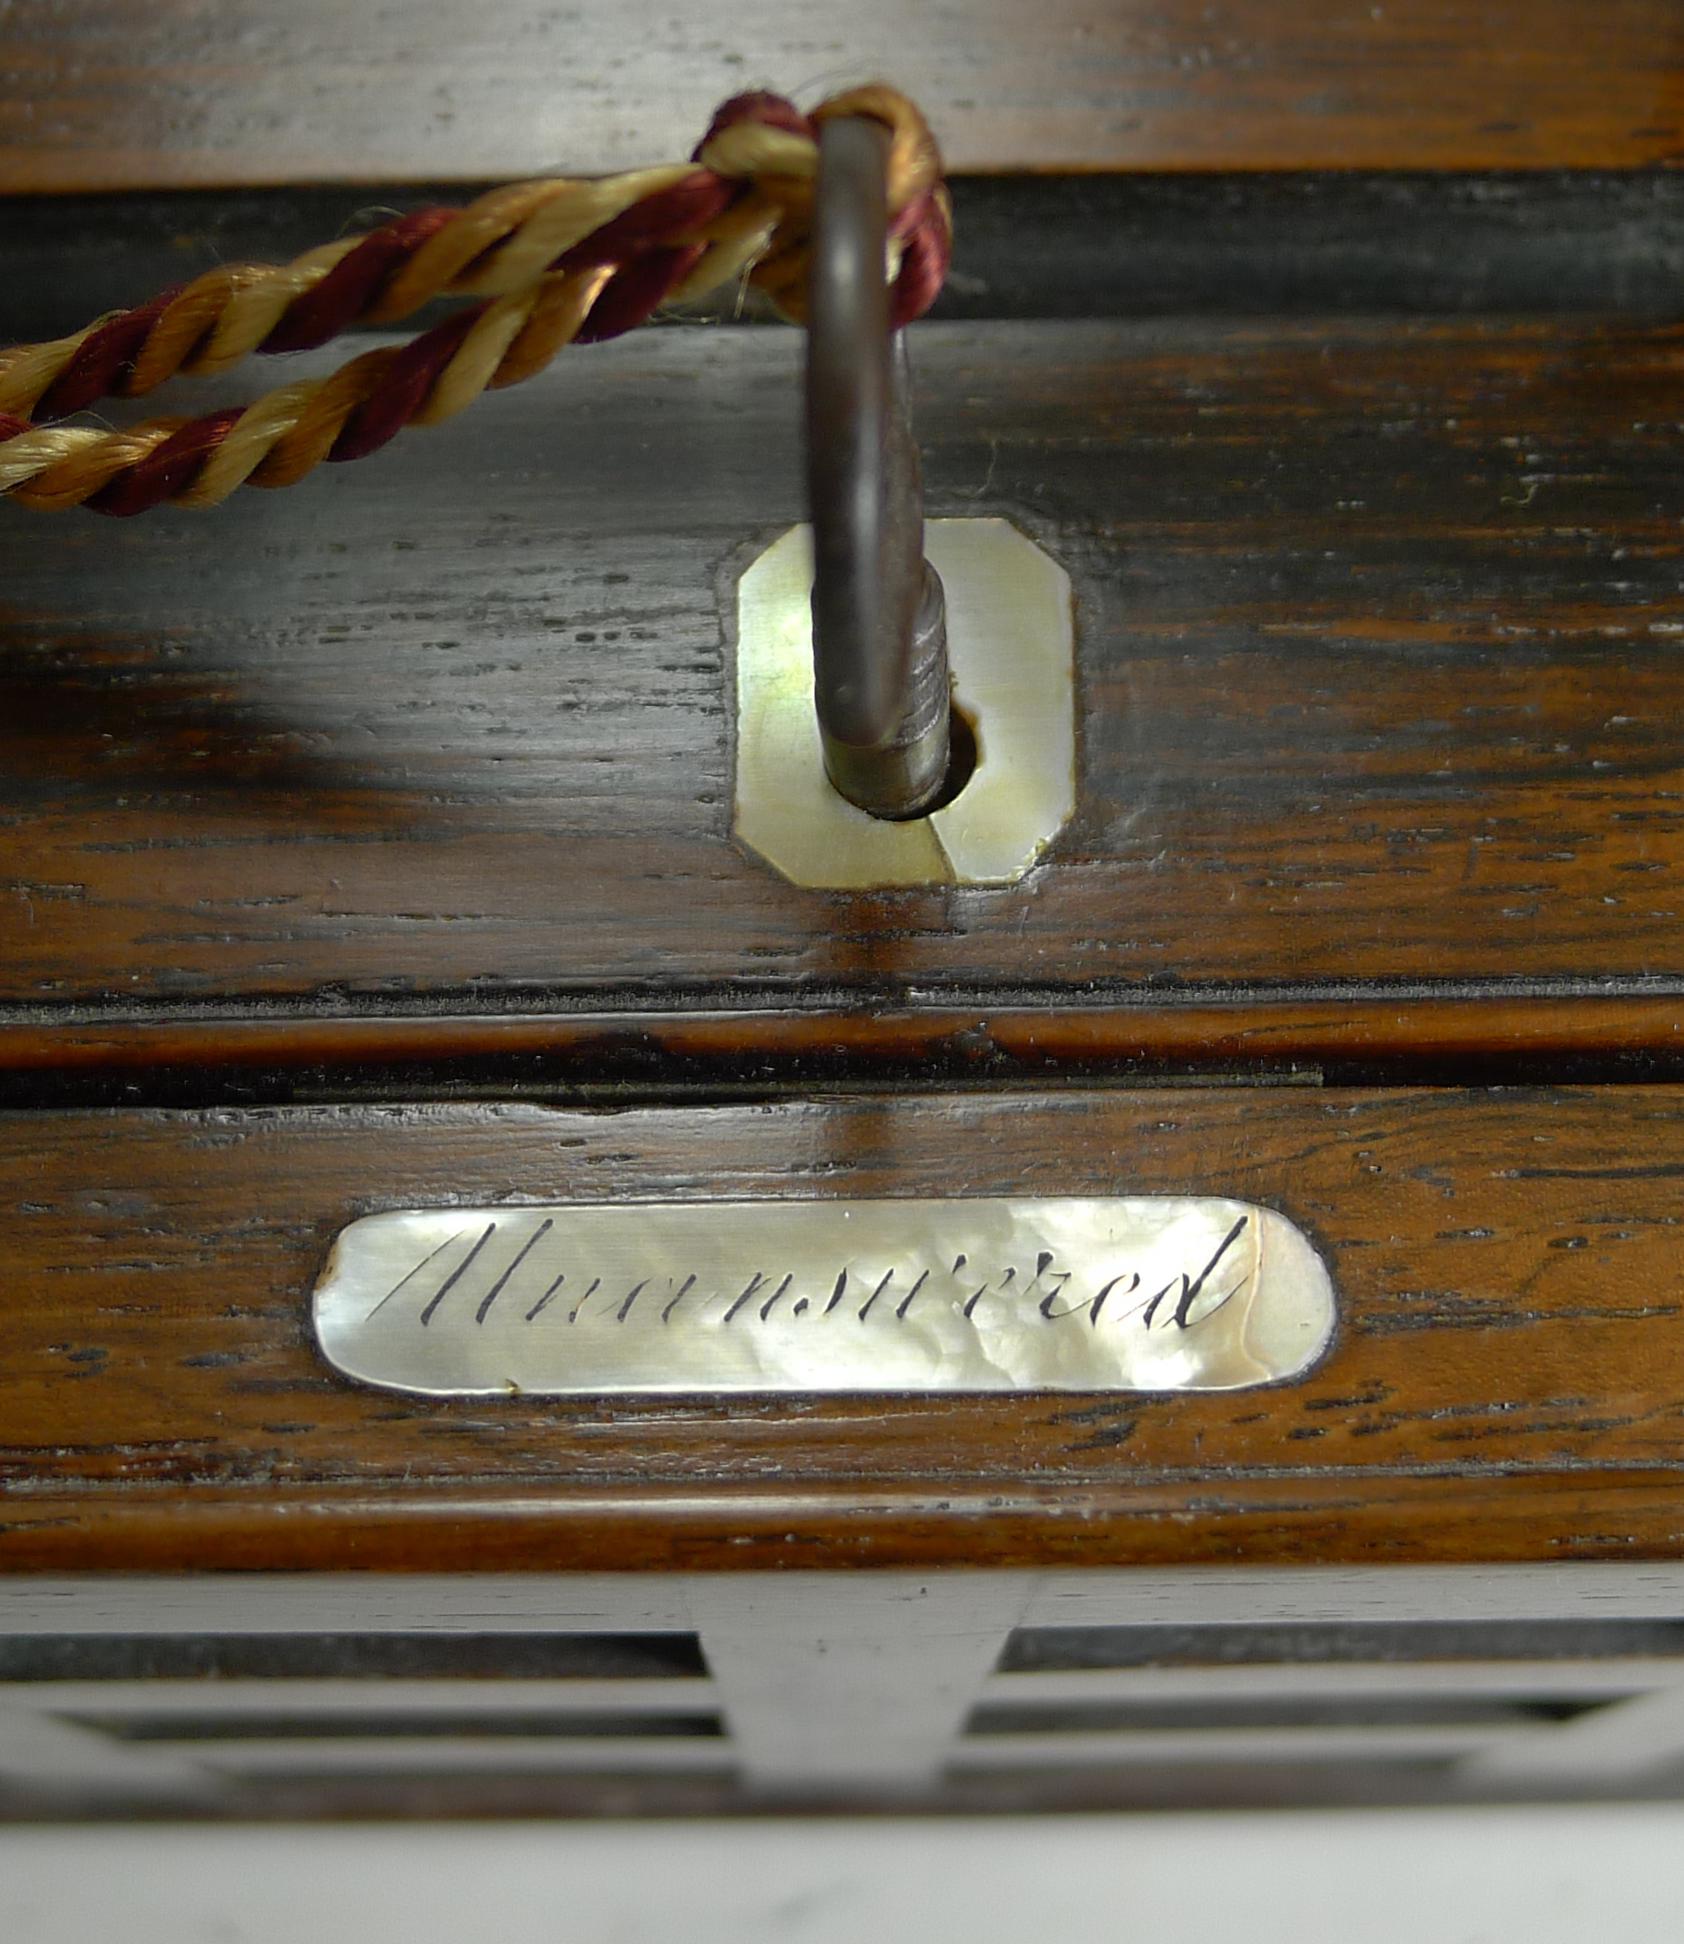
x,y
670,1052
1329,242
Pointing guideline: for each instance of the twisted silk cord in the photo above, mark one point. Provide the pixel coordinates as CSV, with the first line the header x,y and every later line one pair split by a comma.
x,y
552,263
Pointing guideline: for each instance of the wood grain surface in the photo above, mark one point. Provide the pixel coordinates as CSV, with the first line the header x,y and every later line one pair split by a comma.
x,y
162,93
1379,680
1505,1384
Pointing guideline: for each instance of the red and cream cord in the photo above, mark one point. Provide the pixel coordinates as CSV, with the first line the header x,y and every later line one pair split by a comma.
x,y
550,263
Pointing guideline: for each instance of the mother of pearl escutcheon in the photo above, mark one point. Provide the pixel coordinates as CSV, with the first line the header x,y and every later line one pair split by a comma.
x,y
1119,1293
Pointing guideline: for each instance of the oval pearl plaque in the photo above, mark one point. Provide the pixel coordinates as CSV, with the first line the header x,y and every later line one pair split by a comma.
x,y
1125,1293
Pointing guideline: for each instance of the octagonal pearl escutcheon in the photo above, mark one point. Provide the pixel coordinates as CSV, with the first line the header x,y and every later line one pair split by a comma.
x,y
1011,644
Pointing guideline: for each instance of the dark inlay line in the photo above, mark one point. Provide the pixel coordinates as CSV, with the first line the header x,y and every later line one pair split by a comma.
x,y
1357,1032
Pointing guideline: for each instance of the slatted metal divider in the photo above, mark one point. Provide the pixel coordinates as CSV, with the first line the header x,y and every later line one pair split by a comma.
x,y
712,1692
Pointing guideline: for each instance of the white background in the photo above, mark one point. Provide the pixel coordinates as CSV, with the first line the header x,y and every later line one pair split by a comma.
x,y
1596,1876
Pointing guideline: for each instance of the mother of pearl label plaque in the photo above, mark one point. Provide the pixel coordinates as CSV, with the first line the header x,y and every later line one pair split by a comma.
x,y
1121,1293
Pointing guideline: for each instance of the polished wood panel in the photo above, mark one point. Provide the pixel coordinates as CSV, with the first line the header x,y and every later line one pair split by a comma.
x,y
1378,680
1377,652
1503,1386
160,93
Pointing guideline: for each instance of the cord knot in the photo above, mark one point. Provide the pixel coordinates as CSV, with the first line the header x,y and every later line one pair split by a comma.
x,y
766,142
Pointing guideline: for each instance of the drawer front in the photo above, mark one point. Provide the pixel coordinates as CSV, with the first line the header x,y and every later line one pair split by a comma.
x,y
1503,1383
